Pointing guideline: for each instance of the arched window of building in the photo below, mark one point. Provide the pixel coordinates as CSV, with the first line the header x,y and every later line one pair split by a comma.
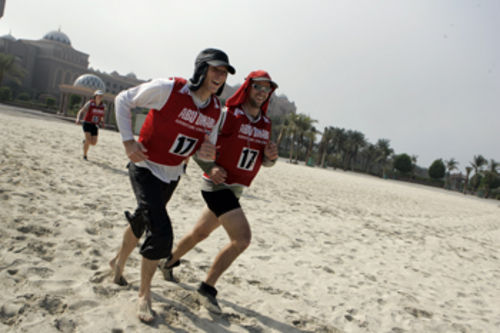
x,y
67,78
58,79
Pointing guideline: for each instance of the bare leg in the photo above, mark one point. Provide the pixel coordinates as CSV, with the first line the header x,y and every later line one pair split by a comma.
x,y
93,140
86,144
238,229
145,311
207,223
118,262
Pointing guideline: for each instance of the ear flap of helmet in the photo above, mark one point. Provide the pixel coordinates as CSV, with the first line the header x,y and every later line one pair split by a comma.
x,y
200,72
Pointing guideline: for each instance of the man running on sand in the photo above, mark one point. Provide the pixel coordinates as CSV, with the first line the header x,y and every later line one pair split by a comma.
x,y
93,117
243,145
182,116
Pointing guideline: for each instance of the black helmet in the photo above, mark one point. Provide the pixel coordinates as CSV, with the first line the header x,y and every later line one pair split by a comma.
x,y
212,57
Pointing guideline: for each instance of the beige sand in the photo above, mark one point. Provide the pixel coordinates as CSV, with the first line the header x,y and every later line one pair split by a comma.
x,y
331,251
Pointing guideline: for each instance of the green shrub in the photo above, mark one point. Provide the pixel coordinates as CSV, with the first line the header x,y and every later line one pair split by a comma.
x,y
24,96
50,102
403,163
5,94
437,169
74,101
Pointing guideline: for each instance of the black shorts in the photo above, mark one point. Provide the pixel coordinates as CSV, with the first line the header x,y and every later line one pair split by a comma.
x,y
221,202
90,127
151,215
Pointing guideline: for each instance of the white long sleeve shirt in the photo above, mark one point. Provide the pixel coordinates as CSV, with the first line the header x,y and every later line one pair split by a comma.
x,y
151,95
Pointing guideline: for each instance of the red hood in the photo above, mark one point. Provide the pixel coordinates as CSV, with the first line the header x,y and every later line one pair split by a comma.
x,y
240,95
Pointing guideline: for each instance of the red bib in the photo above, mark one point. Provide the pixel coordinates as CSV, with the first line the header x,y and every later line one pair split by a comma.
x,y
95,113
240,146
177,130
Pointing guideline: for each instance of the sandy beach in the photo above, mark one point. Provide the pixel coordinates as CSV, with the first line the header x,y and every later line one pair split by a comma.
x,y
332,251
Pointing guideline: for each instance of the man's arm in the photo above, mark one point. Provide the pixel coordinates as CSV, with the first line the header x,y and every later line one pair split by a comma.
x,y
204,165
216,173
270,154
149,95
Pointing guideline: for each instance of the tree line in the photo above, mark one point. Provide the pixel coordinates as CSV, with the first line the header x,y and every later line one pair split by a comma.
x,y
339,148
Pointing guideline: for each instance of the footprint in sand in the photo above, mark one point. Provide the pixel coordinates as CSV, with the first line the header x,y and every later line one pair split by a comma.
x,y
262,244
310,324
253,282
234,280
65,325
43,272
43,250
271,290
106,291
105,224
92,265
53,304
188,299
11,311
78,306
263,258
238,319
100,276
92,231
35,229
418,313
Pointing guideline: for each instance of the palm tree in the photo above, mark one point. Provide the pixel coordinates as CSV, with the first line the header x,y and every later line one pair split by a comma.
x,y
370,153
491,178
338,144
326,139
337,139
468,170
477,164
383,146
311,137
494,166
355,141
9,67
303,125
282,129
414,159
291,132
451,165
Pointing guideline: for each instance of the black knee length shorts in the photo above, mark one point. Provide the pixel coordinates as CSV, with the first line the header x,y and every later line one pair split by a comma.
x,y
91,128
151,215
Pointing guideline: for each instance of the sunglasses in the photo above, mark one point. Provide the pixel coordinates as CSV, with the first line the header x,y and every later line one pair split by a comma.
x,y
259,87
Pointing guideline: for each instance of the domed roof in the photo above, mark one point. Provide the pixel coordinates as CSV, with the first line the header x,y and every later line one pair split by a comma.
x,y
57,36
8,36
131,75
90,81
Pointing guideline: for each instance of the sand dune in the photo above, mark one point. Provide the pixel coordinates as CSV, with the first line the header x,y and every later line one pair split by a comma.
x,y
332,251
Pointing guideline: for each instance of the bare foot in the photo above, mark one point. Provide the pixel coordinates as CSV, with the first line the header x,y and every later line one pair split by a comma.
x,y
117,274
144,311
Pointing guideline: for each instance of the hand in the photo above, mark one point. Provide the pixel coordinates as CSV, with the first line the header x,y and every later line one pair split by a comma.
x,y
135,150
271,151
77,121
217,175
207,150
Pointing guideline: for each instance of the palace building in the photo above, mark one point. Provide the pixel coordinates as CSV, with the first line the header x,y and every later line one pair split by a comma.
x,y
52,62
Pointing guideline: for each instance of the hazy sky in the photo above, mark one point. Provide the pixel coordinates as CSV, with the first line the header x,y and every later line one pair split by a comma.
x,y
424,74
